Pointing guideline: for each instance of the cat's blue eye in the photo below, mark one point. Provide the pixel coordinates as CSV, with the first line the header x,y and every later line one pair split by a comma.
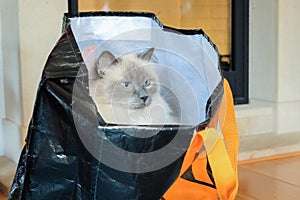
x,y
126,85
147,83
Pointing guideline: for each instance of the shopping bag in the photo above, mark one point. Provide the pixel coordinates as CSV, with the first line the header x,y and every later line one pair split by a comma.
x,y
74,151
209,170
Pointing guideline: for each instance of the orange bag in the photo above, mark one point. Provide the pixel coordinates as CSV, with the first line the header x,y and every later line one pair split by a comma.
x,y
209,170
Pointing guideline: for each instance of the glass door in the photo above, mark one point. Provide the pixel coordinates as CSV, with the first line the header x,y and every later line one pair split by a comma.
x,y
226,22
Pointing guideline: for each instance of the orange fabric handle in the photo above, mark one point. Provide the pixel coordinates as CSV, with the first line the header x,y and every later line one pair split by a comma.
x,y
221,158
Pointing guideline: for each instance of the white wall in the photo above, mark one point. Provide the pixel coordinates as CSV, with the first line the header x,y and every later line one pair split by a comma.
x,y
12,117
2,105
288,107
263,49
40,28
289,51
30,29
274,63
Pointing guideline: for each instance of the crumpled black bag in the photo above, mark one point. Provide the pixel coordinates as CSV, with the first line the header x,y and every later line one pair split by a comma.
x,y
55,164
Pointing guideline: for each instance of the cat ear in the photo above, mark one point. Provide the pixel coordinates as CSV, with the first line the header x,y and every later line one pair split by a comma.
x,y
105,59
146,55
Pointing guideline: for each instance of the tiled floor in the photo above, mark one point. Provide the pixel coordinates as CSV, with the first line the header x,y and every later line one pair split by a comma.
x,y
272,179
7,172
267,180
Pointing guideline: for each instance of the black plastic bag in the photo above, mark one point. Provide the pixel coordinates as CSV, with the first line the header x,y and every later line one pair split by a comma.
x,y
57,164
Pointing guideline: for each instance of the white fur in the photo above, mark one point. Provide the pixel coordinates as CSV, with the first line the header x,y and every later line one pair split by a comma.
x,y
157,113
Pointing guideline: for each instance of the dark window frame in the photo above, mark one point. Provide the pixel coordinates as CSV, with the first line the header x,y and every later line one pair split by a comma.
x,y
238,73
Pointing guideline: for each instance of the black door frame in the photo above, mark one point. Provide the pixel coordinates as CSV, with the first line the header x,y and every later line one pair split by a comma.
x,y
238,74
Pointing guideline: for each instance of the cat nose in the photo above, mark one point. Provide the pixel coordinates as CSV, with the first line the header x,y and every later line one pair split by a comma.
x,y
144,98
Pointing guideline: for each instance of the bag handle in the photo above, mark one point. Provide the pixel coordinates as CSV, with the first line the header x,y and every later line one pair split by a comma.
x,y
222,158
227,122
223,161
223,172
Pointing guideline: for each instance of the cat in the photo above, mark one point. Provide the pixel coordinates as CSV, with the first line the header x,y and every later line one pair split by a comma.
x,y
128,90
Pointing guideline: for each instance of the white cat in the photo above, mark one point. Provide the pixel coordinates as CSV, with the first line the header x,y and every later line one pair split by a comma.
x,y
127,90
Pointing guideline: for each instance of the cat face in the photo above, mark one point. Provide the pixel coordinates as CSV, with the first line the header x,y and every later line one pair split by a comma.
x,y
126,81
